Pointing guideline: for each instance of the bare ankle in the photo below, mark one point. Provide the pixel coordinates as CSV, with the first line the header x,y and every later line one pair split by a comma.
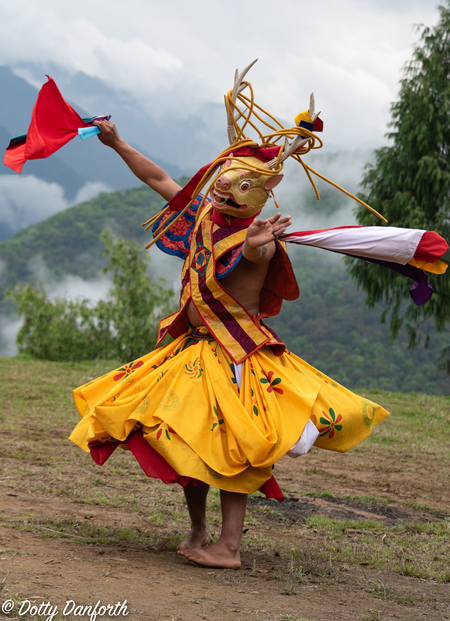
x,y
197,537
198,528
231,544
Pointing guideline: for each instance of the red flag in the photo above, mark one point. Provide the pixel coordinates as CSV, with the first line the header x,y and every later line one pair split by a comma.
x,y
53,124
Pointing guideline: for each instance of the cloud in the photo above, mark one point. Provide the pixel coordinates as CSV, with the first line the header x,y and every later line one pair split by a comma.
x,y
9,327
88,191
345,168
79,45
174,57
74,287
165,266
71,287
26,200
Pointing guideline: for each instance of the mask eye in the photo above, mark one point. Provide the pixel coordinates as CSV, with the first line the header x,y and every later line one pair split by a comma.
x,y
245,185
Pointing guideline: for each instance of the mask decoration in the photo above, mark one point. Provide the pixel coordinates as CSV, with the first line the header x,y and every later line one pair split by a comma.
x,y
239,191
242,177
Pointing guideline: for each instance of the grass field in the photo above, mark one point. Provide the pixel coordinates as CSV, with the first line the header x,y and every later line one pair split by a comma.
x,y
370,528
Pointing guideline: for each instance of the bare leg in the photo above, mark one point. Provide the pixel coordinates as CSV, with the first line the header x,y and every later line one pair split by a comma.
x,y
225,552
196,503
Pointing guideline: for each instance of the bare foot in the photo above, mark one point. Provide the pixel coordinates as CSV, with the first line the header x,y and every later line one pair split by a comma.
x,y
217,554
195,539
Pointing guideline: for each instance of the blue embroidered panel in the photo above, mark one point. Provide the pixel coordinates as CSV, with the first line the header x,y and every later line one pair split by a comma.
x,y
176,242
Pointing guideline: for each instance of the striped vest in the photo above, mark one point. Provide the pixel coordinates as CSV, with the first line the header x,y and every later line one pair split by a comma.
x,y
230,324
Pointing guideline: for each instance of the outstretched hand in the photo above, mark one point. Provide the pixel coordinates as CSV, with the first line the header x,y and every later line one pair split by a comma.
x,y
261,232
109,134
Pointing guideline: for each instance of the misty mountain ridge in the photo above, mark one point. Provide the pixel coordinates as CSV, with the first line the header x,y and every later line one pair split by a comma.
x,y
329,324
187,141
83,169
89,161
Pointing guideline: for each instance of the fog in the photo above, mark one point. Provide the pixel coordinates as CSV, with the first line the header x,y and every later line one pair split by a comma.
x,y
294,195
74,287
27,200
9,327
296,198
169,60
71,287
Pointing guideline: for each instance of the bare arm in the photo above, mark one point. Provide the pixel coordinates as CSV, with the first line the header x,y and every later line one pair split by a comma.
x,y
259,245
144,169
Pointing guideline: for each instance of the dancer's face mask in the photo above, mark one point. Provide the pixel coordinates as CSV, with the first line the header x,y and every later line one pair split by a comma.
x,y
242,193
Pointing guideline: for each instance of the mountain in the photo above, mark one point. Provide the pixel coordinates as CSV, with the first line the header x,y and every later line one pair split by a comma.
x,y
180,144
329,325
68,242
78,171
188,140
78,162
57,172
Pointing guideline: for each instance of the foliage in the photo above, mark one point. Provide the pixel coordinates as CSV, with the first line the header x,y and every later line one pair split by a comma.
x,y
410,181
331,328
329,325
123,327
137,303
63,329
67,243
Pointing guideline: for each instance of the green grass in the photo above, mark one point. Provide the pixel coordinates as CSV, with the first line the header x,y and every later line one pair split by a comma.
x,y
420,422
366,499
38,414
265,509
421,506
16,552
414,549
319,494
87,532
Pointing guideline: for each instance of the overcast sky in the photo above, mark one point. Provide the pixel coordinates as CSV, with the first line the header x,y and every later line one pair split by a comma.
x,y
175,55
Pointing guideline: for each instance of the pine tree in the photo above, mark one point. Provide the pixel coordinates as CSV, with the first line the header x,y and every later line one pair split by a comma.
x,y
409,184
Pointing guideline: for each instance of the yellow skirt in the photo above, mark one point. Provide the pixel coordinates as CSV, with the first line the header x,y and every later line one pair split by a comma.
x,y
185,399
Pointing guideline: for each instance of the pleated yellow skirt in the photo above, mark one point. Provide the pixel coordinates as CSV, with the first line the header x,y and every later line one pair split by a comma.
x,y
185,399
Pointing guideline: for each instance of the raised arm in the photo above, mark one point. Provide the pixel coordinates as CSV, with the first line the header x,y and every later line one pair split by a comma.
x,y
144,169
259,245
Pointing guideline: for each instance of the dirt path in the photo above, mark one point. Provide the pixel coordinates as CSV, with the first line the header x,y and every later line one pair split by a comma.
x,y
159,584
361,536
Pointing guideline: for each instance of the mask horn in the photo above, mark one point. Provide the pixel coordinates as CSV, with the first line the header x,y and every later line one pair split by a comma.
x,y
237,89
298,143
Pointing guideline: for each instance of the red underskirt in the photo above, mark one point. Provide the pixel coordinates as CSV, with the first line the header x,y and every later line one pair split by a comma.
x,y
156,467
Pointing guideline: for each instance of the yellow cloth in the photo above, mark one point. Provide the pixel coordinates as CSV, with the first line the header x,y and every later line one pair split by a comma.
x,y
187,403
438,267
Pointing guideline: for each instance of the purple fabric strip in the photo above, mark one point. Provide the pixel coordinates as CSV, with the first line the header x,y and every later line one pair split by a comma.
x,y
421,290
272,332
233,327
225,231
100,117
